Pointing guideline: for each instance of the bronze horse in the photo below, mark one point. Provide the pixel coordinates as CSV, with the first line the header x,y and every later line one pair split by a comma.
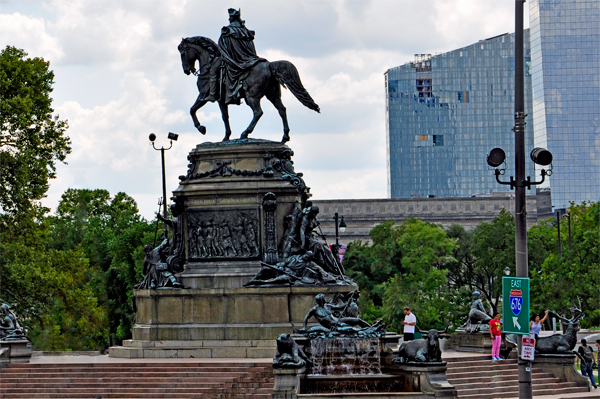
x,y
263,79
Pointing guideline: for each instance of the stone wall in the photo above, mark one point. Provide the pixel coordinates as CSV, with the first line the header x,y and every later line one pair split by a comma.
x,y
364,214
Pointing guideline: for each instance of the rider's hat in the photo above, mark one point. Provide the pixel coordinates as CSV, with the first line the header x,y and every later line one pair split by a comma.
x,y
235,13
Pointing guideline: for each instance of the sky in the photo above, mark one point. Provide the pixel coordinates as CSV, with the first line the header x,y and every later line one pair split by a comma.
x,y
118,78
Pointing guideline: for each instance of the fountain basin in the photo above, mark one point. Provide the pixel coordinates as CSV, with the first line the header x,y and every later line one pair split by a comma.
x,y
353,368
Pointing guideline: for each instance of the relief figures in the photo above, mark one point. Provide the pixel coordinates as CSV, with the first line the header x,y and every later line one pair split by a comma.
x,y
224,234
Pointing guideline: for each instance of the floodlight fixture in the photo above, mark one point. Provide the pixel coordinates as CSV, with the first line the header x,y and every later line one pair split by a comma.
x,y
152,137
496,157
173,136
541,156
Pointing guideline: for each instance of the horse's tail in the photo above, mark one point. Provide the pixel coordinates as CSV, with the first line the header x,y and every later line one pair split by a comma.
x,y
287,75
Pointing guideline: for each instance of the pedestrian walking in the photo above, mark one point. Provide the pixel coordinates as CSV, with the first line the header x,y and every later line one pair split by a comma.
x,y
598,359
496,335
588,362
535,326
410,321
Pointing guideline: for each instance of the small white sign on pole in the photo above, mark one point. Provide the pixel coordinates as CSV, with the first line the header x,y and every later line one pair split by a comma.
x,y
528,348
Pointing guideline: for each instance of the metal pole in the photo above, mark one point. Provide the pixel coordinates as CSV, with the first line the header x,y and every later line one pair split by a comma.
x,y
570,242
525,391
558,226
164,182
337,236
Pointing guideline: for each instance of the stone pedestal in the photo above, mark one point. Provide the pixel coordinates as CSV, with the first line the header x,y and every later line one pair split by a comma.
x,y
563,367
230,208
471,342
233,322
427,378
244,185
287,383
17,351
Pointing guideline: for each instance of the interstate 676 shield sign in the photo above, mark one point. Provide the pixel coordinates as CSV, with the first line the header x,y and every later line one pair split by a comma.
x,y
516,301
515,305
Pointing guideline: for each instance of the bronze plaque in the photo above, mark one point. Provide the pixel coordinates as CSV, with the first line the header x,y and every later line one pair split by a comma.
x,y
224,234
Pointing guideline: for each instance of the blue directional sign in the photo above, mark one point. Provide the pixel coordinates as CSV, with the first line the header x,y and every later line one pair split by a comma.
x,y
515,305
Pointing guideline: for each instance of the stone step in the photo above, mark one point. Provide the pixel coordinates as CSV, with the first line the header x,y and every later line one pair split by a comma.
x,y
536,392
535,373
484,388
132,367
478,377
510,390
84,378
481,383
138,380
95,396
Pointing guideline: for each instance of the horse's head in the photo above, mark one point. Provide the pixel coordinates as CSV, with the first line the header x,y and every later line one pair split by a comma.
x,y
184,50
197,48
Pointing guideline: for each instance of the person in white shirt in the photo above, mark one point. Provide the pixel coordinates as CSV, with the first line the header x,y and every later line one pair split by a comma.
x,y
410,321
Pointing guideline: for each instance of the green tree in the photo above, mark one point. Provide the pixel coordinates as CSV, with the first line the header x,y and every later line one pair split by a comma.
x,y
372,265
461,269
493,246
404,265
561,281
111,233
422,283
32,138
53,293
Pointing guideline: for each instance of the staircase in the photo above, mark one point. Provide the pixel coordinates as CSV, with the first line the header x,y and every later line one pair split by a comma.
x,y
137,381
479,378
475,377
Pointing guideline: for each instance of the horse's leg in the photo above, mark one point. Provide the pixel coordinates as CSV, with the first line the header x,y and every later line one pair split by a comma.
x,y
225,116
197,105
274,95
253,103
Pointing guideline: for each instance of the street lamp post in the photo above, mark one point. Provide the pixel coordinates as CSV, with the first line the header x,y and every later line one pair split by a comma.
x,y
172,137
560,214
342,227
539,156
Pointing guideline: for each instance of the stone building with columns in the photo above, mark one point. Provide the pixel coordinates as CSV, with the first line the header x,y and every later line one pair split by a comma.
x,y
361,215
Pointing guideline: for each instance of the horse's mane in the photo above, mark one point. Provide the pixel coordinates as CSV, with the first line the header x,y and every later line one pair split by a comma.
x,y
203,42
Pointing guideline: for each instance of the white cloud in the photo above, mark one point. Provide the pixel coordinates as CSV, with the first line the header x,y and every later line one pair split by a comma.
x,y
118,78
29,33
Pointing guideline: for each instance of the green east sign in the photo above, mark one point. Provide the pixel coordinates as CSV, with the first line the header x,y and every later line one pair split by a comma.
x,y
515,305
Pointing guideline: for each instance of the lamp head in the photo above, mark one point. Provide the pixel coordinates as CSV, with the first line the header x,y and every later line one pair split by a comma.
x,y
496,157
173,136
507,271
342,225
152,137
541,156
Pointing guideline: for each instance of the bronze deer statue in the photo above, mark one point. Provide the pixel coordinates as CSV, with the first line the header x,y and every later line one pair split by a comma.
x,y
561,343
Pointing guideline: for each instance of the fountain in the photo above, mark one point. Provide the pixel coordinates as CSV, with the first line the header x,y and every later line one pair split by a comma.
x,y
343,355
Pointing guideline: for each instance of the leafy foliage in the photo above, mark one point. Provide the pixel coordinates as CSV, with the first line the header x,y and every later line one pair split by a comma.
x,y
53,292
32,138
409,264
111,234
70,275
493,247
559,281
403,266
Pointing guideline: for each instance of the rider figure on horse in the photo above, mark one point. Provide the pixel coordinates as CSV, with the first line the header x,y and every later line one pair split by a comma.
x,y
239,55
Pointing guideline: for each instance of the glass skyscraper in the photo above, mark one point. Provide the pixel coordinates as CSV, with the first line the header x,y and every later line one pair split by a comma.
x,y
565,66
445,112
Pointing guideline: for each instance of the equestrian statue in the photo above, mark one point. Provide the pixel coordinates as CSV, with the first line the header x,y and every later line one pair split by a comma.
x,y
231,71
